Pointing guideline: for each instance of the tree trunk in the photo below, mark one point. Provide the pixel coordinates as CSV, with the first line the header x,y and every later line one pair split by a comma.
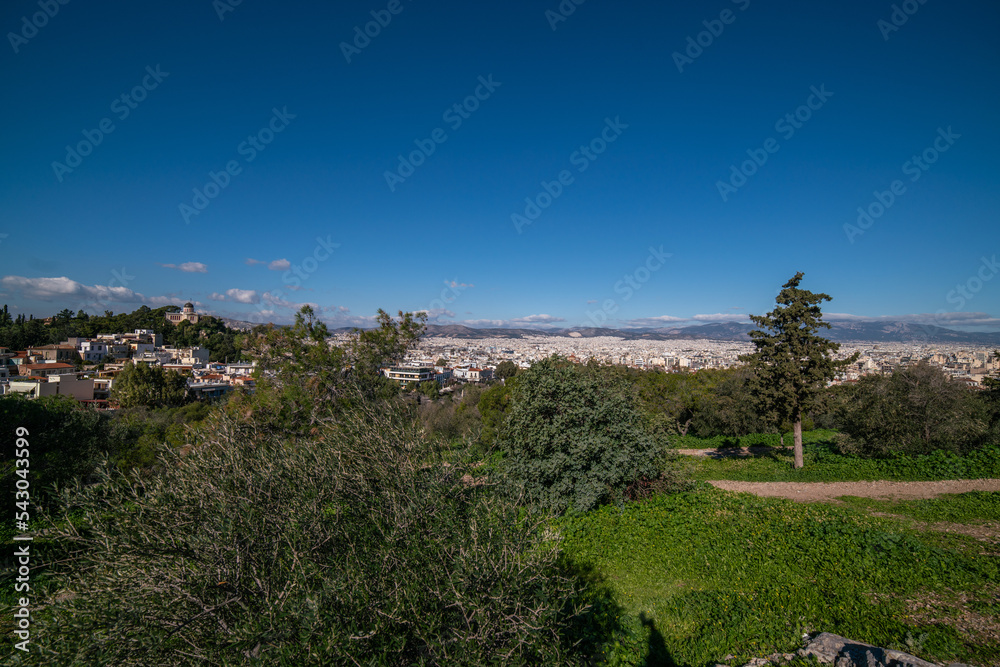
x,y
797,430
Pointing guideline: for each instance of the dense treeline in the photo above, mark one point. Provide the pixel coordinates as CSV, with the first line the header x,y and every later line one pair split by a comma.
x,y
18,333
916,410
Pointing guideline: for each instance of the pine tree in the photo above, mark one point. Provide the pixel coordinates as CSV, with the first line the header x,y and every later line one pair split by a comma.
x,y
792,363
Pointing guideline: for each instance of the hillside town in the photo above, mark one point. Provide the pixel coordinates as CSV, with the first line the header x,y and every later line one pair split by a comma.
x,y
85,368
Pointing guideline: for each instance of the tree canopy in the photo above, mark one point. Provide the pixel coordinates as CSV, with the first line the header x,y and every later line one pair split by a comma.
x,y
792,363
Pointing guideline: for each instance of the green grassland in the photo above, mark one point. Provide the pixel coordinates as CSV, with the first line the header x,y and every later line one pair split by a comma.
x,y
691,578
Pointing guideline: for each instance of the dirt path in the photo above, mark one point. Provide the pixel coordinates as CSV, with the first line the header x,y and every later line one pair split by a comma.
x,y
808,492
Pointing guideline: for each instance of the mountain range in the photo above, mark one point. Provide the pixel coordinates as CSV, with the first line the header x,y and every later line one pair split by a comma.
x,y
840,331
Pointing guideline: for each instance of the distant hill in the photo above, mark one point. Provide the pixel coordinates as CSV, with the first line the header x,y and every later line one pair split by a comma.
x,y
875,332
841,331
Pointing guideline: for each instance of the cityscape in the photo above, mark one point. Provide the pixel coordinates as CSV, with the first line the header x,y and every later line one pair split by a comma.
x,y
70,367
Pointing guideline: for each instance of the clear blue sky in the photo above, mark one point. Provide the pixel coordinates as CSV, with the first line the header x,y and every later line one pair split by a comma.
x,y
110,233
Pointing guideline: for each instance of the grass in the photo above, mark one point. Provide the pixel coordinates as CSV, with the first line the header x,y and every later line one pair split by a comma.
x,y
824,464
973,507
691,578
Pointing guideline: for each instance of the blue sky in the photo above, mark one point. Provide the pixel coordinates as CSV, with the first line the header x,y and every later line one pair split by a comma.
x,y
684,161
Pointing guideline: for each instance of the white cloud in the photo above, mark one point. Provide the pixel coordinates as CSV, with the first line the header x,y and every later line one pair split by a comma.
x,y
48,289
946,320
278,302
652,322
516,322
280,265
215,296
539,319
243,295
188,267
435,314
486,323
720,317
250,261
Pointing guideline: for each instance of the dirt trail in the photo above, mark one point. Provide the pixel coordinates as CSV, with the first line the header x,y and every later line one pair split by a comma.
x,y
809,492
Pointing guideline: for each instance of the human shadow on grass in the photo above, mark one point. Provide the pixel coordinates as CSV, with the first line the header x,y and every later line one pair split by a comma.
x,y
604,628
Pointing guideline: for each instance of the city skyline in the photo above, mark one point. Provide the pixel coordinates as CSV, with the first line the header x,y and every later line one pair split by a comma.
x,y
563,165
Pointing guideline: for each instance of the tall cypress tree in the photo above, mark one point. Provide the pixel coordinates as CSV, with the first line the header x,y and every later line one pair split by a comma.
x,y
792,363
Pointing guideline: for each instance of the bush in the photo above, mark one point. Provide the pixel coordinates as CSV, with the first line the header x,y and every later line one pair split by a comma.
x,y
356,546
573,439
66,440
916,410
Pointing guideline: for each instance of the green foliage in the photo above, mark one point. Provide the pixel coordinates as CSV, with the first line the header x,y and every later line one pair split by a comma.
x,y
718,574
144,385
791,364
506,369
357,546
731,407
916,410
455,418
65,440
572,440
429,388
137,434
494,406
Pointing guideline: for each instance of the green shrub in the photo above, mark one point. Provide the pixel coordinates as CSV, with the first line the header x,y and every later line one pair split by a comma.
x,y
358,546
573,440
916,410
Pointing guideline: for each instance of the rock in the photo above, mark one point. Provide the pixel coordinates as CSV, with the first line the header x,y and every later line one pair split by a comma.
x,y
827,647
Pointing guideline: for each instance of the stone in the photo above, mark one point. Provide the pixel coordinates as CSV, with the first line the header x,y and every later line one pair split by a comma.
x,y
827,647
